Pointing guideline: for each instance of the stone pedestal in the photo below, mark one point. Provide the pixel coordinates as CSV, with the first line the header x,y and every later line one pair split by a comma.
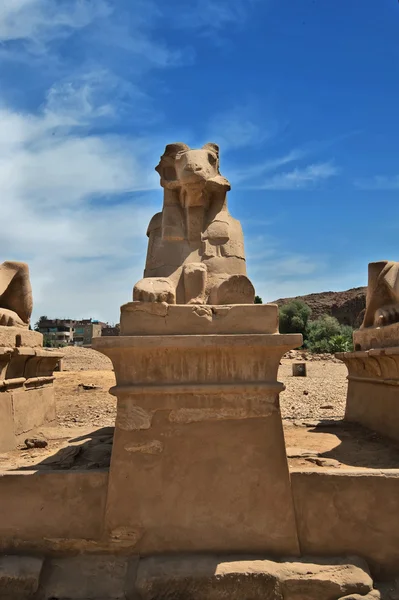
x,y
373,379
199,460
26,385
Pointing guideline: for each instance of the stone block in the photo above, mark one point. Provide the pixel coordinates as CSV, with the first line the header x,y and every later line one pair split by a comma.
x,y
309,581
45,508
199,460
376,337
85,578
7,436
214,577
299,369
26,388
154,318
373,389
345,512
32,408
12,337
19,577
373,595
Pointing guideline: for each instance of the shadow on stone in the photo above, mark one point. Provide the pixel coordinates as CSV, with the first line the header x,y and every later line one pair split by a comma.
x,y
90,451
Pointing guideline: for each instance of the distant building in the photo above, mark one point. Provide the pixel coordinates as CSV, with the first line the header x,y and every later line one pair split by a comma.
x,y
111,330
57,332
85,330
61,332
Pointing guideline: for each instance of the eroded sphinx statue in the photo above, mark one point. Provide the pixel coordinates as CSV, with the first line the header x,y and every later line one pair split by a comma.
x,y
15,294
382,303
195,249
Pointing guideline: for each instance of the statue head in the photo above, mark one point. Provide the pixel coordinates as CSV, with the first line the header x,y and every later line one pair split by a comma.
x,y
194,189
182,167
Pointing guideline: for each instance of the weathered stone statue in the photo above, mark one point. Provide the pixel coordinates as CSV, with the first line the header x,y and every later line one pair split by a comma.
x,y
373,367
196,376
195,249
15,294
382,306
26,369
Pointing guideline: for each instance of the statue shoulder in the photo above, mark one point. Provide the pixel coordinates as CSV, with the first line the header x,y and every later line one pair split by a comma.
x,y
155,223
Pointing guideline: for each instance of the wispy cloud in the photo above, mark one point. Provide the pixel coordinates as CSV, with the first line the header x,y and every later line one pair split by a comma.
x,y
30,29
379,182
300,178
51,170
40,21
209,15
255,171
240,126
270,266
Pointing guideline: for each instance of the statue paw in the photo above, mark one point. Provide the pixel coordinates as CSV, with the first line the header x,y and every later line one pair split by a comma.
x,y
154,289
235,289
9,318
386,315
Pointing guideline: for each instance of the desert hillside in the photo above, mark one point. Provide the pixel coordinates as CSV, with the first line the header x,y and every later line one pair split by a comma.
x,y
348,307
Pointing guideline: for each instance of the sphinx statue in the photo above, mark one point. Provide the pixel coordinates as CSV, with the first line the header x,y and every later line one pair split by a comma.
x,y
195,249
382,302
15,295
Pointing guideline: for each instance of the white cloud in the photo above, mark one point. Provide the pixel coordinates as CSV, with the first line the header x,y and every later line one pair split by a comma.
x,y
379,182
110,31
210,15
239,127
255,171
300,178
280,273
84,254
39,21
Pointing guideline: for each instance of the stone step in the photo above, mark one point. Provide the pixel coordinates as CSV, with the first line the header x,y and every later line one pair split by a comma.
x,y
188,577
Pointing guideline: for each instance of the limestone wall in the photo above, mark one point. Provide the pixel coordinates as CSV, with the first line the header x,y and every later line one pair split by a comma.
x,y
51,510
349,512
338,513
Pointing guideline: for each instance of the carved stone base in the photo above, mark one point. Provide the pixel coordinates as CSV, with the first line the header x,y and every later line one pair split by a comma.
x,y
376,337
26,392
159,318
199,460
14,337
373,389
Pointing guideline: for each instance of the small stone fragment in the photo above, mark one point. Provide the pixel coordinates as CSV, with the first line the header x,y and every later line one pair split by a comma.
x,y
300,453
373,595
36,443
323,462
89,386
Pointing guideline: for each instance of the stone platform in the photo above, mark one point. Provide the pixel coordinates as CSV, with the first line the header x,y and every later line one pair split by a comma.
x,y
26,385
195,577
198,460
373,386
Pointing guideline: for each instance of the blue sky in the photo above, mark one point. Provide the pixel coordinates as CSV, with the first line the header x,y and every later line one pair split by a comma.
x,y
301,95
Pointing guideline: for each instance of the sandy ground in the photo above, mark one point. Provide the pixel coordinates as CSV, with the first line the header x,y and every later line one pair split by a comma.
x,y
312,409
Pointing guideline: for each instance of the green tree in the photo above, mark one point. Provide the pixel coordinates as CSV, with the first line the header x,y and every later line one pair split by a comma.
x,y
326,335
40,321
258,300
294,317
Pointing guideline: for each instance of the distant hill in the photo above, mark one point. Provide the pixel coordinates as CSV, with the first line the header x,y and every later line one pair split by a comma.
x,y
348,307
